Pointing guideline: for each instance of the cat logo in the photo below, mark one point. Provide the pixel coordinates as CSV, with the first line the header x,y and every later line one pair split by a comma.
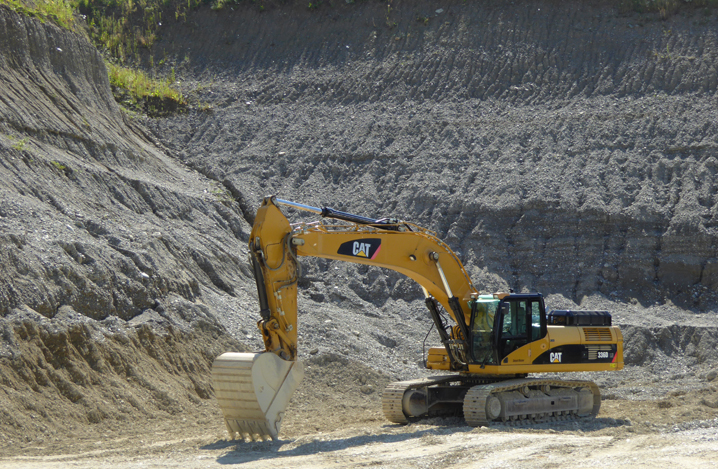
x,y
555,357
367,248
360,249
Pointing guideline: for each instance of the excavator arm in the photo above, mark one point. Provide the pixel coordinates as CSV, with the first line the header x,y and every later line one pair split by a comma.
x,y
402,247
254,388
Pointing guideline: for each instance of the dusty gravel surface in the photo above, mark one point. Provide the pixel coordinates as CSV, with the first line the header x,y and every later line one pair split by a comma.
x,y
564,148
338,428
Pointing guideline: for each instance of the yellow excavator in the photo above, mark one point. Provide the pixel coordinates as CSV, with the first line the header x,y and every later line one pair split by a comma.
x,y
490,345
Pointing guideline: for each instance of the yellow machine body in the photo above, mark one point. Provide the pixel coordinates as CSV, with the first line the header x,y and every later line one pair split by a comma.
x,y
497,339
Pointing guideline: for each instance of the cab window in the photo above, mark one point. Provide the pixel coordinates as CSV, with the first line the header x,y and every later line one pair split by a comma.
x,y
482,326
516,316
521,322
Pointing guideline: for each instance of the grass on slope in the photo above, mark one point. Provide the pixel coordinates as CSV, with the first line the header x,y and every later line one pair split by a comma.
x,y
132,87
59,12
155,97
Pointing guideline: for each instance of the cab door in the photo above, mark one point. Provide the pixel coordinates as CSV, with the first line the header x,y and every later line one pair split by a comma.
x,y
521,321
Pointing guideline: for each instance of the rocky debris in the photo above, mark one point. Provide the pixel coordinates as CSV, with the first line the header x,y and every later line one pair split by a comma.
x,y
694,346
338,391
95,214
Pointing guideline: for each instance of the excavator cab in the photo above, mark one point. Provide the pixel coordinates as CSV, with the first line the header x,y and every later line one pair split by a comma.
x,y
522,320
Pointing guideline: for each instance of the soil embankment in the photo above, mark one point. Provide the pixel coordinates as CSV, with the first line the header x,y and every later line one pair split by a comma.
x,y
103,252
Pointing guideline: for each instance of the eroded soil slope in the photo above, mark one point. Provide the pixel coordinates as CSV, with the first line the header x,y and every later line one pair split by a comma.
x,y
105,248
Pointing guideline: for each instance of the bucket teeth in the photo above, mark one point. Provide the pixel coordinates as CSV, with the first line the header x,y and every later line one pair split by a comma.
x,y
253,390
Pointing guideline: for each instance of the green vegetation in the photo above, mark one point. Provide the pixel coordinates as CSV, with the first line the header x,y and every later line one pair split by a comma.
x,y
138,91
121,28
219,4
18,145
59,12
141,85
223,195
58,165
118,28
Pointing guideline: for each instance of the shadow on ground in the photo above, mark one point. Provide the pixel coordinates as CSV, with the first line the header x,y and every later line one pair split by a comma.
x,y
241,451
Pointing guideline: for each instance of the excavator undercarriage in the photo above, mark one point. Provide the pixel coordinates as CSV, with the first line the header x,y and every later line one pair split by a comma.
x,y
504,400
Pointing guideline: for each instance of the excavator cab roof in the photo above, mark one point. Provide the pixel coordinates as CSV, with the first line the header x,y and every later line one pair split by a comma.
x,y
523,296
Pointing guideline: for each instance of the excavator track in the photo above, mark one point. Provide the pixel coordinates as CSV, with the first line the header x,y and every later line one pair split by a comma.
x,y
514,400
530,399
392,399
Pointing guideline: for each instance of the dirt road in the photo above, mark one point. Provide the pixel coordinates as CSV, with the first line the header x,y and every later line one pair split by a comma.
x,y
677,432
416,446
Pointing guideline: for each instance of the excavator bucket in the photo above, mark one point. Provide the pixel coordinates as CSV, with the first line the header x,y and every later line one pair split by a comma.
x,y
253,390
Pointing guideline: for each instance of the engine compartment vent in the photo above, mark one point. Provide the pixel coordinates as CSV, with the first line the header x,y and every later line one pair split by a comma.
x,y
597,334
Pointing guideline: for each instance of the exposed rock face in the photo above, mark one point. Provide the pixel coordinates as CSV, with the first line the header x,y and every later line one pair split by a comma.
x,y
646,346
105,245
559,148
94,214
61,374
